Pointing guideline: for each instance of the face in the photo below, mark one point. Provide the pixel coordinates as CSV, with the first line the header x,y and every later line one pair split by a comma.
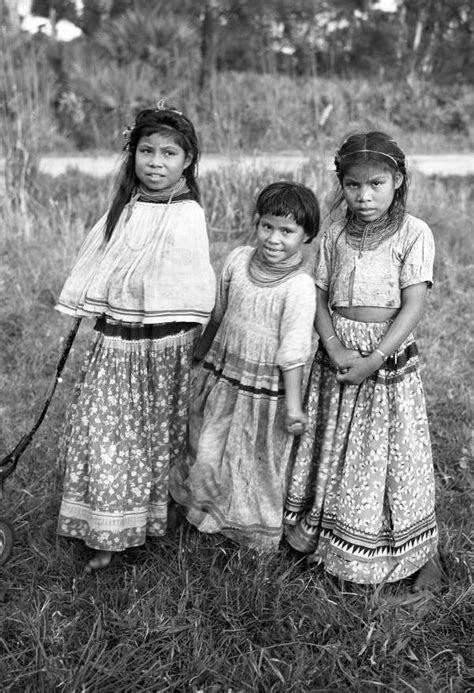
x,y
279,237
159,162
369,189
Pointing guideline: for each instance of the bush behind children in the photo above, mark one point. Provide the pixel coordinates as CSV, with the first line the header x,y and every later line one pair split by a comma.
x,y
356,490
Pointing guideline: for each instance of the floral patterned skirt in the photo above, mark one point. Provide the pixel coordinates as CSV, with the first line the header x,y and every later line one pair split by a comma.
x,y
362,494
125,428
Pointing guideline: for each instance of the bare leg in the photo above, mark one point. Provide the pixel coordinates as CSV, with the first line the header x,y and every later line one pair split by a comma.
x,y
101,559
430,576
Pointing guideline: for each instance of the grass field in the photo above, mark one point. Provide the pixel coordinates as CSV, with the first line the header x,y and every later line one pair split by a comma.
x,y
191,612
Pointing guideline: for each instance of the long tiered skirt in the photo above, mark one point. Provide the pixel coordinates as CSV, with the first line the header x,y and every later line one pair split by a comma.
x,y
361,496
235,476
125,429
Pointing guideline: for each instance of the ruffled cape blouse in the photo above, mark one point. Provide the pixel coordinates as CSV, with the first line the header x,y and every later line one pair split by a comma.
x,y
154,269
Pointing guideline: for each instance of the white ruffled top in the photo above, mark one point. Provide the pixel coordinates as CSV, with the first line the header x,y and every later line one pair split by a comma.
x,y
154,269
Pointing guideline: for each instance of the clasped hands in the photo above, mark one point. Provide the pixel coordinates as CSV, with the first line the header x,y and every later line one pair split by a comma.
x,y
352,366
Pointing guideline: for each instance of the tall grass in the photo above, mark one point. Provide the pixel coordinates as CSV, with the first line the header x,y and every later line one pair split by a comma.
x,y
192,612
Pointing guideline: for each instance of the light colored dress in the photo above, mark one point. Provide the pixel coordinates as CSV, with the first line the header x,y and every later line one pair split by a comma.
x,y
235,477
361,499
150,289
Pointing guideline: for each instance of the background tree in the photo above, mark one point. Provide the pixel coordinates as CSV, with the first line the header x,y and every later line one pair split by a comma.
x,y
60,9
260,71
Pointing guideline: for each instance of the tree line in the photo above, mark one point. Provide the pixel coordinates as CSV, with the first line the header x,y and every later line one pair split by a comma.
x,y
429,39
256,74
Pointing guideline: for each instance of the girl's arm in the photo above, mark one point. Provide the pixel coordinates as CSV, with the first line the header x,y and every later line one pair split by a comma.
x,y
205,340
296,346
411,311
339,354
295,419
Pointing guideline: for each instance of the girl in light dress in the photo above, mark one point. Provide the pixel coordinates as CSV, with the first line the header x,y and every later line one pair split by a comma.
x,y
247,400
143,274
361,499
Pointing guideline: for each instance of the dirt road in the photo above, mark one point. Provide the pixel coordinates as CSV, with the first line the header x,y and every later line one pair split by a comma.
x,y
103,166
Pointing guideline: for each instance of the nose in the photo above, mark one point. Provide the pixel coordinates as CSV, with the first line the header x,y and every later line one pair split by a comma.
x,y
156,159
273,237
364,192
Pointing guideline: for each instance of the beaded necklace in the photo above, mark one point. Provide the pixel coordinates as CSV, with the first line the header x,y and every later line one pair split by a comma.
x,y
142,195
363,236
264,274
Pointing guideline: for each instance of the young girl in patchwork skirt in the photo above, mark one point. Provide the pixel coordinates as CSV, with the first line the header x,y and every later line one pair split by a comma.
x,y
247,402
144,274
362,496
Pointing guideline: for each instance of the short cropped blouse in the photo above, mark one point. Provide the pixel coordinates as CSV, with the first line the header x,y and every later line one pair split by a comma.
x,y
374,277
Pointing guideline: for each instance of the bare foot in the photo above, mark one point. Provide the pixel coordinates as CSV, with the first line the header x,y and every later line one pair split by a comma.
x,y
430,576
100,560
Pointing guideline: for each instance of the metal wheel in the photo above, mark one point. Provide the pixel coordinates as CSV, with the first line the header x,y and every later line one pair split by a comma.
x,y
7,537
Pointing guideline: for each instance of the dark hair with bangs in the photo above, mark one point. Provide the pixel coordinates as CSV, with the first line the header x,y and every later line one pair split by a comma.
x,y
291,200
166,121
376,147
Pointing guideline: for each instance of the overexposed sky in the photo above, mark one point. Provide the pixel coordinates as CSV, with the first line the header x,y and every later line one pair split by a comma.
x,y
387,5
24,6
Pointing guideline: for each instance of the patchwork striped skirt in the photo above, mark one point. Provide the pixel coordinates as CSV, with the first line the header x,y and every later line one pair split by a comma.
x,y
125,428
361,497
235,476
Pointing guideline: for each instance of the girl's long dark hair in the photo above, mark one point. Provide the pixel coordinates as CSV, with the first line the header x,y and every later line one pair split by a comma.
x,y
374,147
148,122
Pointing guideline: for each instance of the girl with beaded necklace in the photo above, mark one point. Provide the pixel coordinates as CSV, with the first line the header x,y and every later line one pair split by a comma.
x,y
361,496
143,273
247,403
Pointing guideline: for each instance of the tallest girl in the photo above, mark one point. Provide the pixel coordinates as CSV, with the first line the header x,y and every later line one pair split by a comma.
x,y
143,273
361,499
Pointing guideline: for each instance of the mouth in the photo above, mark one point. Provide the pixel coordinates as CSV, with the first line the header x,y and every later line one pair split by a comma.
x,y
155,176
271,251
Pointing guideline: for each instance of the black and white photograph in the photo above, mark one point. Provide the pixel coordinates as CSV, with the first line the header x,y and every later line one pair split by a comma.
x,y
236,347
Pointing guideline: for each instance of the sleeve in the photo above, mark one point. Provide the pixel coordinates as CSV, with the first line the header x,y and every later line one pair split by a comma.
x,y
93,240
418,258
203,286
83,269
323,261
223,284
296,324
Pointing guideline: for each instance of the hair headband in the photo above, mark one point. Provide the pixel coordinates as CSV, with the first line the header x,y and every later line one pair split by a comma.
x,y
160,106
364,151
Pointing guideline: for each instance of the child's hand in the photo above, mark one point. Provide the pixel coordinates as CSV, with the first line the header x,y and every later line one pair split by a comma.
x,y
342,357
357,370
295,423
